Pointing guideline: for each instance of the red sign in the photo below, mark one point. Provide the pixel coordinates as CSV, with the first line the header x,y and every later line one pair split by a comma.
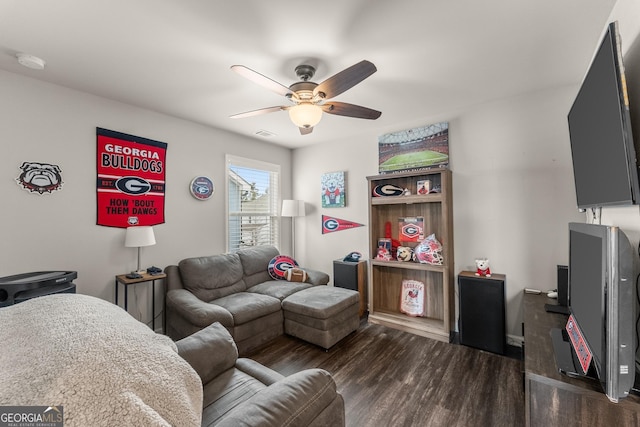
x,y
411,229
331,224
579,344
131,180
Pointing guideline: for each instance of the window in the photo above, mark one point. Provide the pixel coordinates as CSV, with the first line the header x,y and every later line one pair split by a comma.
x,y
253,197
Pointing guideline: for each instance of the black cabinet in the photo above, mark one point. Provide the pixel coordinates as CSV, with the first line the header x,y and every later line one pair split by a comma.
x,y
352,275
482,312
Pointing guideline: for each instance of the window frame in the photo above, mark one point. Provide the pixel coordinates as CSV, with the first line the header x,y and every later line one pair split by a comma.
x,y
275,198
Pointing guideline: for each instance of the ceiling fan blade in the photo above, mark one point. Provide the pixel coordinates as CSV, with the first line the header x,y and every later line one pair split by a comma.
x,y
350,110
345,79
305,131
263,81
257,112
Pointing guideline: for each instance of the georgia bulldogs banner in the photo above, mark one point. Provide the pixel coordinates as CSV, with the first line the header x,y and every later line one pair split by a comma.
x,y
131,179
331,224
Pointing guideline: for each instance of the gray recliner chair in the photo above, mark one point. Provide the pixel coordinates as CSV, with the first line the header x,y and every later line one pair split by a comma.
x,y
242,392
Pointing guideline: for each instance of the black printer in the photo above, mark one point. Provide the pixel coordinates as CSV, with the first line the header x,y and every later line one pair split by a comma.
x,y
21,287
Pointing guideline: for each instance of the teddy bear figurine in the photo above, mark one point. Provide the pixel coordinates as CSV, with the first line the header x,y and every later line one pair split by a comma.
x,y
482,267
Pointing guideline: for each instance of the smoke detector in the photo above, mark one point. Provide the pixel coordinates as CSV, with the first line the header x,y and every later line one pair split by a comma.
x,y
30,61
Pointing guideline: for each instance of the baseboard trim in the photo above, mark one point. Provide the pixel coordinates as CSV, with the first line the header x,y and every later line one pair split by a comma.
x,y
511,351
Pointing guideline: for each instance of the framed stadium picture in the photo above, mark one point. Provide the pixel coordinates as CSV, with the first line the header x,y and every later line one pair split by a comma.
x,y
333,190
413,149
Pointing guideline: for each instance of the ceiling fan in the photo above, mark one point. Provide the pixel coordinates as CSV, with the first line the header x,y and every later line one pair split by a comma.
x,y
309,99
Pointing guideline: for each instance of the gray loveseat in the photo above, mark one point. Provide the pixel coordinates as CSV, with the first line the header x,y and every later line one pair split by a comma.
x,y
234,290
242,392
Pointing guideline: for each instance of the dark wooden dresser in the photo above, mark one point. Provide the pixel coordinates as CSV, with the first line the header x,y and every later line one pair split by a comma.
x,y
554,399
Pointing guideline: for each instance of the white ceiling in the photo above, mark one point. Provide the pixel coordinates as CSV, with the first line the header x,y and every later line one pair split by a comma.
x,y
434,57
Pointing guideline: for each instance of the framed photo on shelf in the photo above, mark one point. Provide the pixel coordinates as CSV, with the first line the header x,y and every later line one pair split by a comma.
x,y
423,187
384,249
411,229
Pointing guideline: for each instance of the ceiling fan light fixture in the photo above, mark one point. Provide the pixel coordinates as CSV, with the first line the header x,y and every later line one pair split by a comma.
x,y
305,115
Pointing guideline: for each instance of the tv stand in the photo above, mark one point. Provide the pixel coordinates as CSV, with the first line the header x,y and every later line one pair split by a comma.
x,y
553,398
566,359
635,390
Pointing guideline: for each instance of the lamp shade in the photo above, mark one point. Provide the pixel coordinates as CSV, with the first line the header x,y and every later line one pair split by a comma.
x,y
139,236
305,115
293,208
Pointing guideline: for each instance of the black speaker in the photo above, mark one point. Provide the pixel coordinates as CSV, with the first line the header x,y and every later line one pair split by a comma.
x,y
352,275
21,287
562,306
345,275
563,285
482,312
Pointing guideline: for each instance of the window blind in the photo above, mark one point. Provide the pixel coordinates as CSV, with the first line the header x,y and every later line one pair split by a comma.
x,y
253,197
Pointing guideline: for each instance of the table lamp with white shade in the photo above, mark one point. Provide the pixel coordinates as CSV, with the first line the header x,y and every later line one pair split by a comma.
x,y
138,237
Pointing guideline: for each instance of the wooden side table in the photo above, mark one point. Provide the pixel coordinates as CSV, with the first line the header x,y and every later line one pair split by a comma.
x,y
146,277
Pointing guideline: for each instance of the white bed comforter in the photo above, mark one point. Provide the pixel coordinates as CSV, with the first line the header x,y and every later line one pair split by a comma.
x,y
104,367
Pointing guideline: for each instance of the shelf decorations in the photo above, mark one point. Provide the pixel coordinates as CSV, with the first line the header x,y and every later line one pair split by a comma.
x,y
405,254
41,178
482,267
131,179
331,224
427,187
411,229
386,190
414,149
412,297
333,190
384,249
429,251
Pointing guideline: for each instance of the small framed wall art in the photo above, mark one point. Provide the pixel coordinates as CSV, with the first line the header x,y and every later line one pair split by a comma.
x,y
333,190
202,188
414,149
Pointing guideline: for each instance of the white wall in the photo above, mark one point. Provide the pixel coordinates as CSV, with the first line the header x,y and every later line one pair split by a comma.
x,y
359,159
512,185
514,192
51,124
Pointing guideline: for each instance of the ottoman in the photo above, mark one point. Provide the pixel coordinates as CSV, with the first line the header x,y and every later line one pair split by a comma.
x,y
321,315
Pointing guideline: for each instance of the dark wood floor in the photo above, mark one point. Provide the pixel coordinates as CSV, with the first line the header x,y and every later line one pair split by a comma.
x,y
393,378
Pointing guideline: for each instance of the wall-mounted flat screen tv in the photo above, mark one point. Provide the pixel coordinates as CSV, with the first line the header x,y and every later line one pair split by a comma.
x,y
602,148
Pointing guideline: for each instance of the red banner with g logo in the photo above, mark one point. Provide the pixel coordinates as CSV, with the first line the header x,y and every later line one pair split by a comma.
x,y
131,179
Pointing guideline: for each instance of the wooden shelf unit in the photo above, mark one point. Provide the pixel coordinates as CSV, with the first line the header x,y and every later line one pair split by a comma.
x,y
385,277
